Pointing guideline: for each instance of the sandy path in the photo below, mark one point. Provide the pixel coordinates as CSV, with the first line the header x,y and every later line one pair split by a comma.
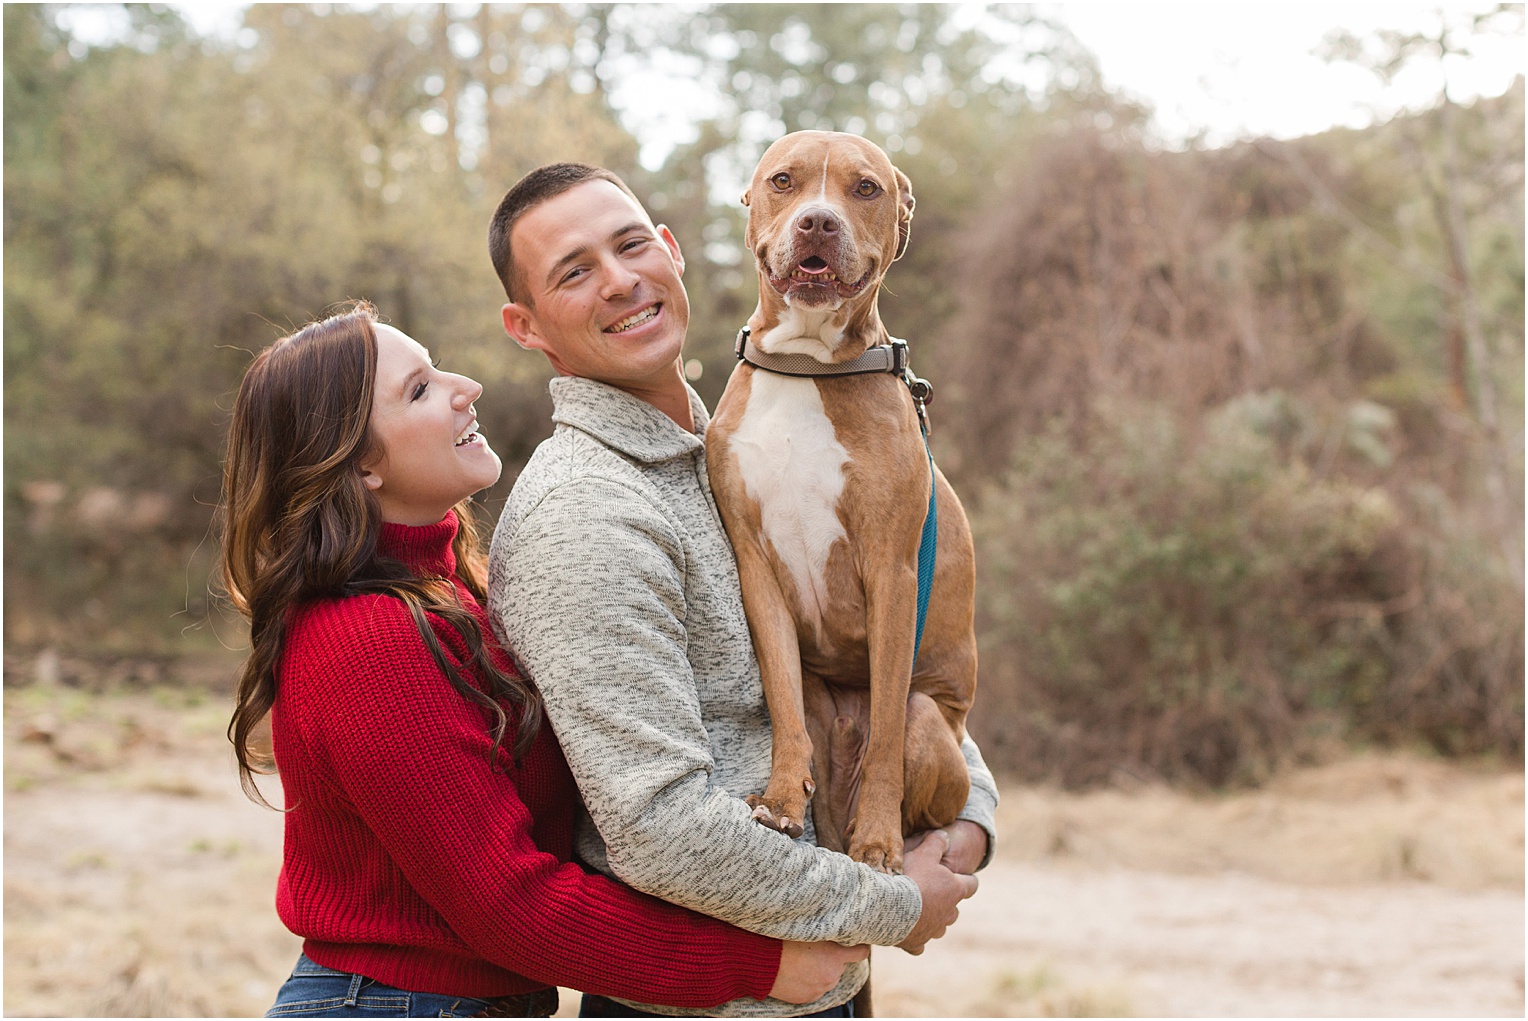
x,y
1070,941
139,882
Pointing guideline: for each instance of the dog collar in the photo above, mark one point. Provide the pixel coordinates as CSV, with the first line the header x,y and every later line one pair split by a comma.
x,y
889,359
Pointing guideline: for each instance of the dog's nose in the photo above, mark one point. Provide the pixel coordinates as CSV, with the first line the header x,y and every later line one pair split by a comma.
x,y
818,220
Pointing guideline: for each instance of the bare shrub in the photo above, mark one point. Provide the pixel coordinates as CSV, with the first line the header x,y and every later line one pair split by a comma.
x,y
1152,594
1223,514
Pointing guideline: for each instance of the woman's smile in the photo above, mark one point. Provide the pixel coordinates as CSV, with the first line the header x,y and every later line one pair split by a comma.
x,y
419,411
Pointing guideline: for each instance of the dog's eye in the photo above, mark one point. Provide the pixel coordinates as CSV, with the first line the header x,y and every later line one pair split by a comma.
x,y
867,189
781,181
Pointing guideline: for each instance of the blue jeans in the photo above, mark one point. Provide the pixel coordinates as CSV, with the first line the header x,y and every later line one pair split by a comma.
x,y
601,1006
315,991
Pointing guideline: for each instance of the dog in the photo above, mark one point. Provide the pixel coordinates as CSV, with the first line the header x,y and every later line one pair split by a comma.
x,y
823,484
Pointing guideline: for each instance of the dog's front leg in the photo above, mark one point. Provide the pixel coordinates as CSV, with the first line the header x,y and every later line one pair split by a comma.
x,y
891,597
783,805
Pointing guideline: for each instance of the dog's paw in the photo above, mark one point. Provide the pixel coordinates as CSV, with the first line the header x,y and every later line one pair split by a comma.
x,y
774,817
787,815
880,856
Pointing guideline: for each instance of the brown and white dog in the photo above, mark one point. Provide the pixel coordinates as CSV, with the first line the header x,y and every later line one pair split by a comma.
x,y
823,485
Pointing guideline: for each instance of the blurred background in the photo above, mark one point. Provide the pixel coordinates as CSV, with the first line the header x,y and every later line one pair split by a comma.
x,y
1231,386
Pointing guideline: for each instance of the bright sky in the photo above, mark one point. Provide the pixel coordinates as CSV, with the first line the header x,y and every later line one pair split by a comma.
x,y
1234,69
1228,69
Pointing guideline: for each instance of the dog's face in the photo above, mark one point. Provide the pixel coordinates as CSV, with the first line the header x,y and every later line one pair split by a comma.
x,y
827,214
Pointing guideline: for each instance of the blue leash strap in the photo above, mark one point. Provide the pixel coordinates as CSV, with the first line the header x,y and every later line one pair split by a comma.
x,y
927,549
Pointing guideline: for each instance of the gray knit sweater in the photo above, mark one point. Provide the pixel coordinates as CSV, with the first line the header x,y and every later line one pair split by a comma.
x,y
612,580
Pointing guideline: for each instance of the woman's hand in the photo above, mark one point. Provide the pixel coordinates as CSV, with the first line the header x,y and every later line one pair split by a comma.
x,y
810,970
968,846
942,890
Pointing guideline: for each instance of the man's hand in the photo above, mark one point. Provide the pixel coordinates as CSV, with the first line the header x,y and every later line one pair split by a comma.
x,y
811,970
940,888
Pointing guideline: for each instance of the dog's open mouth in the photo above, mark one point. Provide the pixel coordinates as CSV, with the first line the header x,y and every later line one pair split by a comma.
x,y
814,270
813,273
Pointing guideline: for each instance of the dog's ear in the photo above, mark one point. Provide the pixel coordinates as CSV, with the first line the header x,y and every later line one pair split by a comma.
x,y
748,226
905,205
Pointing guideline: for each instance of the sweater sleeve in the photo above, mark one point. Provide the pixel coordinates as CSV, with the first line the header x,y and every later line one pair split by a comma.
x,y
411,756
592,602
981,805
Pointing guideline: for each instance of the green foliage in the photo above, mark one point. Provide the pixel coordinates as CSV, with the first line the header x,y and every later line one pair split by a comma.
x,y
1153,592
1197,604
173,207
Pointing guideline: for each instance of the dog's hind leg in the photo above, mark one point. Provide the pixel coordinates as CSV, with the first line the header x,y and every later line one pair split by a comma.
x,y
843,716
821,711
935,782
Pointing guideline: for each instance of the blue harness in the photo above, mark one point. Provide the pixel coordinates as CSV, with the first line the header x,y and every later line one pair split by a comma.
x,y
883,358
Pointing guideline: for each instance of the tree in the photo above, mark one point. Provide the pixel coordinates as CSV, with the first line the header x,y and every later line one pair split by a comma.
x,y
1433,146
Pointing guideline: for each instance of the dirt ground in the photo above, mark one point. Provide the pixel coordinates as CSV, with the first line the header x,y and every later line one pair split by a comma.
x,y
139,882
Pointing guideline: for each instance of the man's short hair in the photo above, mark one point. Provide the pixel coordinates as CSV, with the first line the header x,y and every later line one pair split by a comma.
x,y
530,191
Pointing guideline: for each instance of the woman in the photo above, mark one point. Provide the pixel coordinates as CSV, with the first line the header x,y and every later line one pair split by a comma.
x,y
429,815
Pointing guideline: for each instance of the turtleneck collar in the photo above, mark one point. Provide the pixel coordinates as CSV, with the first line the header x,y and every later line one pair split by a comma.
x,y
424,548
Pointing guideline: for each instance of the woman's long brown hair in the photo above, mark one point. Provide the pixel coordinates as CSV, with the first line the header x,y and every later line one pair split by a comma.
x,y
299,525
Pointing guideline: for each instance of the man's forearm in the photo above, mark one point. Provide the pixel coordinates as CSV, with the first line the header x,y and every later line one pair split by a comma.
x,y
726,865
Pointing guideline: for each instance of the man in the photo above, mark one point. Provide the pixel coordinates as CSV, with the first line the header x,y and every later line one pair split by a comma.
x,y
612,580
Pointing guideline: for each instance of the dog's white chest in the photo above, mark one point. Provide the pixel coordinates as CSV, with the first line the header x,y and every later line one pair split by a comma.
x,y
793,466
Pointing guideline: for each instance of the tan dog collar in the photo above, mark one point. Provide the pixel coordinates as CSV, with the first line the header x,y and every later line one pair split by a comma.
x,y
883,358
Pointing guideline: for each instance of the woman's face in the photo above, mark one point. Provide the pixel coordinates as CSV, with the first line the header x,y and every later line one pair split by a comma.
x,y
430,454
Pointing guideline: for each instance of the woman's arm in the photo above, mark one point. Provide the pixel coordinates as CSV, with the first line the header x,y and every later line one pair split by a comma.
x,y
410,756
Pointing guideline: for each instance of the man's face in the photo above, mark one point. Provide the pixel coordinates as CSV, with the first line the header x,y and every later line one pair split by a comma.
x,y
604,296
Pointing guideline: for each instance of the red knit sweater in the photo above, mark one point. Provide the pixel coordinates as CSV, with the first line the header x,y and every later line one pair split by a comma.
x,y
411,861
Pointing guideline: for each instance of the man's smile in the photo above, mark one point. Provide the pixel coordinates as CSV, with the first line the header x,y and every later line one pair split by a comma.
x,y
636,319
